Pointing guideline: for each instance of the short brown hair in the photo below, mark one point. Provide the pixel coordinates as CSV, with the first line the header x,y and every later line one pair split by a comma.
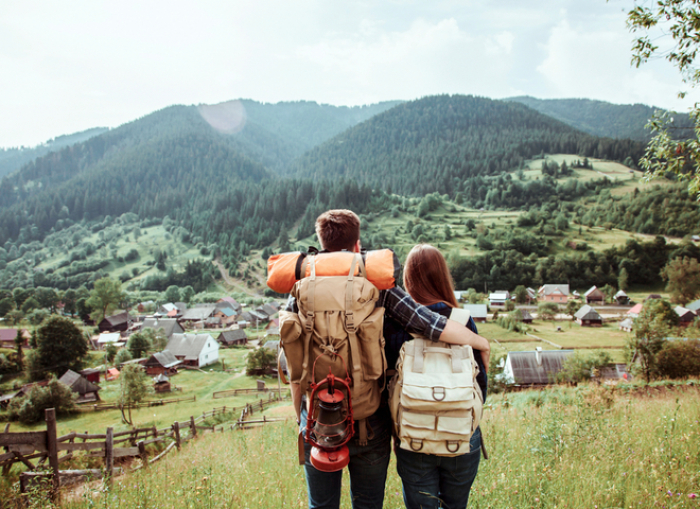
x,y
427,278
338,229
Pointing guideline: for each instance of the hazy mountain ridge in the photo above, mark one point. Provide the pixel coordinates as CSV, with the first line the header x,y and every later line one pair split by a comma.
x,y
601,118
439,143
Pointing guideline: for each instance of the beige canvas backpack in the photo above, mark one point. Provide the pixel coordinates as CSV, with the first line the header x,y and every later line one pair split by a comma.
x,y
337,325
435,401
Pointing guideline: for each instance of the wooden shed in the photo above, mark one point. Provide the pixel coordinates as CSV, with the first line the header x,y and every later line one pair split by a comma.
x,y
594,296
236,337
161,383
539,367
87,391
162,363
588,317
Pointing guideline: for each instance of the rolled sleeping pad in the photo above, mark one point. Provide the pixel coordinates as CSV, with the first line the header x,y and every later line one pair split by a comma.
x,y
283,270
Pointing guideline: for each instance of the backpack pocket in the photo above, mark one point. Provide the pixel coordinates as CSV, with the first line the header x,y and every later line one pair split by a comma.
x,y
291,332
371,335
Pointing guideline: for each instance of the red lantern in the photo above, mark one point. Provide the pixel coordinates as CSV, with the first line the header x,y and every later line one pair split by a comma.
x,y
330,425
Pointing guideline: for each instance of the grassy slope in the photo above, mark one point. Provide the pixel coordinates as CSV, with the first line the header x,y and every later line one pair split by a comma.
x,y
573,448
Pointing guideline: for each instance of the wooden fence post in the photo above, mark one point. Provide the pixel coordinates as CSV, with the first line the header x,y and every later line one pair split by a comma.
x,y
193,427
52,448
109,454
143,454
176,431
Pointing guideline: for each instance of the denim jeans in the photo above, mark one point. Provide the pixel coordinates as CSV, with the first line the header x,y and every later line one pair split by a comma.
x,y
367,468
431,481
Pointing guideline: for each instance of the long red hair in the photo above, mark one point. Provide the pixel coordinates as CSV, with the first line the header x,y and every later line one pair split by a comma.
x,y
427,278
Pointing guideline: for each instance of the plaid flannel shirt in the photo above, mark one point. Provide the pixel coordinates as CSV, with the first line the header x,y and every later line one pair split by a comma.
x,y
399,305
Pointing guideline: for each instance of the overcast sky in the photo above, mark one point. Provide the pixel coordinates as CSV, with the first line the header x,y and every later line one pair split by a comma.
x,y
69,66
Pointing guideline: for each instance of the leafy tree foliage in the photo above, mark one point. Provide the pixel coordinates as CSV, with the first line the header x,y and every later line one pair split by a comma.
x,y
579,367
132,389
683,276
650,328
679,359
104,298
668,152
138,345
261,358
30,409
547,310
122,355
60,346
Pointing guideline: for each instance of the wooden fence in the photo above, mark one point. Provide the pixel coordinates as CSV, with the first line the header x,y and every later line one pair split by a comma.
x,y
114,406
34,449
237,392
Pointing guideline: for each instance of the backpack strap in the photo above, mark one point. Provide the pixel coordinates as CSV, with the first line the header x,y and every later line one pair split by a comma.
x,y
352,337
308,323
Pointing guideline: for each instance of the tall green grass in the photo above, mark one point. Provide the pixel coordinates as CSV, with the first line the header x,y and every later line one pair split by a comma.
x,y
563,448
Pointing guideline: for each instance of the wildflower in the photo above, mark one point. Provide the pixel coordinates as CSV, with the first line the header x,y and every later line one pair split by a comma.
x,y
692,495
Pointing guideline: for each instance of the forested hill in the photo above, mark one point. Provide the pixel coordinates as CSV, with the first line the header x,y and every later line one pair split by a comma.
x,y
601,118
12,159
442,143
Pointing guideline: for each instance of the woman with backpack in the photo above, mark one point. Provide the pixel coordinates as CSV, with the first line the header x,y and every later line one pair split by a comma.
x,y
432,481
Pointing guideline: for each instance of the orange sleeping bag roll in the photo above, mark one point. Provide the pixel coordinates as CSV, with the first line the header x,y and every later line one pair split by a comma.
x,y
285,269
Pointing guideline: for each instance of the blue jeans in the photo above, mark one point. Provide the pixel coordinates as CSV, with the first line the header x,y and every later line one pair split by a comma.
x,y
367,468
431,481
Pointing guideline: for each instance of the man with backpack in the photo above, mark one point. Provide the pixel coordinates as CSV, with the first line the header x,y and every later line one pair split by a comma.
x,y
369,451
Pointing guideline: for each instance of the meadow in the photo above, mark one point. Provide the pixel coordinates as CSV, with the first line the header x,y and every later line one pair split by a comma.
x,y
584,447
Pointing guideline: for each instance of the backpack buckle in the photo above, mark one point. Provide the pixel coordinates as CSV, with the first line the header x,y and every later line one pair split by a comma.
x,y
349,322
439,391
452,446
416,444
309,322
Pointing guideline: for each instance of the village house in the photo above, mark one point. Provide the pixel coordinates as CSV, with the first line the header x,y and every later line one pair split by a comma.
x,y
7,338
635,310
196,350
594,296
273,333
267,309
92,375
685,316
499,298
87,391
145,306
171,310
257,318
539,367
162,363
232,303
526,316
479,312
116,323
170,326
626,325
588,317
622,298
226,315
554,293
194,317
694,306
161,383
236,337
108,338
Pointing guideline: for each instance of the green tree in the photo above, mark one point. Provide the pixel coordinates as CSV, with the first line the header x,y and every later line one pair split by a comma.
x,y
172,294
104,298
110,353
47,298
187,294
122,356
647,340
19,342
29,305
30,409
6,305
60,346
70,297
683,276
132,390
579,367
547,310
14,317
623,279
261,358
609,291
138,345
678,19
520,293
37,316
572,308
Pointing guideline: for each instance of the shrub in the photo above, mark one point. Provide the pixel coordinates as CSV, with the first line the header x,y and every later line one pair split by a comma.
x,y
30,409
578,366
679,359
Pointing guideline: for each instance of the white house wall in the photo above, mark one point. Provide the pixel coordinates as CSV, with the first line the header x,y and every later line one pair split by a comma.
x,y
210,352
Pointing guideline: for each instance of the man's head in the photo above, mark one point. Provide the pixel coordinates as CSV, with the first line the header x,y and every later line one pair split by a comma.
x,y
338,229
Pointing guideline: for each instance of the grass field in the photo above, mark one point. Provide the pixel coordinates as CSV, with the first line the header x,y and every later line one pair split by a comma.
x,y
566,448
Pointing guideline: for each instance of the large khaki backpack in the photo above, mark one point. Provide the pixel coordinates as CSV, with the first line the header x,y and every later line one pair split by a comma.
x,y
435,401
337,325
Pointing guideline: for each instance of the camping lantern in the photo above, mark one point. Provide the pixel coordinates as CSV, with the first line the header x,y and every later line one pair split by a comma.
x,y
330,424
